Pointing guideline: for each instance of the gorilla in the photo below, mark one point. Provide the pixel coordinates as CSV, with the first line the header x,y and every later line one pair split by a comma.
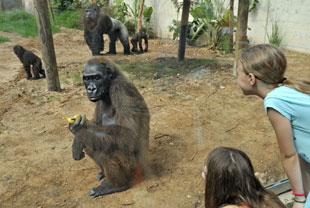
x,y
97,23
29,59
118,137
138,38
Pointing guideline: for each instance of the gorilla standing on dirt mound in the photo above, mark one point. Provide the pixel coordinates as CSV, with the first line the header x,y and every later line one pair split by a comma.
x,y
97,23
118,138
28,58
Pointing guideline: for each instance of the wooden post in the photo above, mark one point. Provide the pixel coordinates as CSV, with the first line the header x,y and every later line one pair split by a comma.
x,y
139,25
184,21
231,27
47,45
242,26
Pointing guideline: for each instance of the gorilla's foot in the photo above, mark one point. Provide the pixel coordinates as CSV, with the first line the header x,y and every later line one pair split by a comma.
x,y
98,54
100,176
106,188
111,52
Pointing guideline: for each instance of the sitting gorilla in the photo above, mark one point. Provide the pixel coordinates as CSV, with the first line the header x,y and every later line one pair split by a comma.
x,y
97,23
28,58
118,138
138,38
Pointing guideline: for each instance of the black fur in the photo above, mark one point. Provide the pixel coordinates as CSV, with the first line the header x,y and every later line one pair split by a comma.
x,y
97,23
29,59
138,38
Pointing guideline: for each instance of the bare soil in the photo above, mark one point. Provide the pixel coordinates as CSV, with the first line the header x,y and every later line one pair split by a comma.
x,y
190,117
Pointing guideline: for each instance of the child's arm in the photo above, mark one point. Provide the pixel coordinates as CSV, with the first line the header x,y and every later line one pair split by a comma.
x,y
288,154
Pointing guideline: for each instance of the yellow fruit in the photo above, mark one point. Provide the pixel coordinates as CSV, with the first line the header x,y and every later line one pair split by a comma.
x,y
71,120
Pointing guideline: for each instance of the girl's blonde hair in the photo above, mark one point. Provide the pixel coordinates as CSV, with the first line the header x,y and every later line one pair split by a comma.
x,y
268,64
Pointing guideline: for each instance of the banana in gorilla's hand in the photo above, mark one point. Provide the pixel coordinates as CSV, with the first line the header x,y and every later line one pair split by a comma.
x,y
71,120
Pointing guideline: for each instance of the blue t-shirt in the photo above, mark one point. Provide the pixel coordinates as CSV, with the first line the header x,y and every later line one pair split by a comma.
x,y
295,106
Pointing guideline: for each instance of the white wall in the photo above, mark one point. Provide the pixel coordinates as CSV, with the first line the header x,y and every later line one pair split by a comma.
x,y
29,7
293,17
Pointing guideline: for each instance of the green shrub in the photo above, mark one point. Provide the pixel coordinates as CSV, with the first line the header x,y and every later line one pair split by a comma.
x,y
275,38
70,18
4,39
21,22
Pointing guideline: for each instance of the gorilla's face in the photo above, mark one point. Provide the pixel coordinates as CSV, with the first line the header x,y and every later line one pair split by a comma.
x,y
143,32
97,79
91,12
18,50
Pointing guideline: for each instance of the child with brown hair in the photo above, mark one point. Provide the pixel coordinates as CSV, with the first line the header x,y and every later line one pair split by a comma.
x,y
231,182
261,71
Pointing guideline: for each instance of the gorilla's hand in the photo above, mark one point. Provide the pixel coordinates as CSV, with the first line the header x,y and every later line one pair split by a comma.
x,y
78,155
79,123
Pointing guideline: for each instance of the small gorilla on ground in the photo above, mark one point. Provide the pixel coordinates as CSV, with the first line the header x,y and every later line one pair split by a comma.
x,y
118,138
138,38
29,59
97,23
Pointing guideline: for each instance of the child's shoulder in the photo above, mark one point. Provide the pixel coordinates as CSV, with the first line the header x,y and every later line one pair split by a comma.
x,y
284,91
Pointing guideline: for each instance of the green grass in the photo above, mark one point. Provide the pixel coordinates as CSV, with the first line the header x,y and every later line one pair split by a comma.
x,y
276,37
70,19
21,22
4,39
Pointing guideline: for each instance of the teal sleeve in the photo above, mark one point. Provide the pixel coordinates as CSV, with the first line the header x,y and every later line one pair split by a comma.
x,y
276,104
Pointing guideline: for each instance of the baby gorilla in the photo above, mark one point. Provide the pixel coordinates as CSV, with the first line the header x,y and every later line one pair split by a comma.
x,y
28,58
138,38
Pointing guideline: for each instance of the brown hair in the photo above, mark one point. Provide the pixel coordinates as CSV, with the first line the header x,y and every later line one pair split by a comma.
x,y
268,64
230,180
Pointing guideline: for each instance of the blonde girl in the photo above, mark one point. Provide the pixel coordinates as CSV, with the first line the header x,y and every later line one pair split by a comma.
x,y
231,183
261,71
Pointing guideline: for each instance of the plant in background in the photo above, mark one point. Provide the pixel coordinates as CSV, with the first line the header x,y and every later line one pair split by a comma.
x,y
129,15
21,22
253,4
210,18
4,39
175,28
147,14
276,37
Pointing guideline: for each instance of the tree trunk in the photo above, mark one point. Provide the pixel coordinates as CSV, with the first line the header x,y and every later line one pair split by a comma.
x,y
242,25
231,27
51,8
140,12
47,45
184,21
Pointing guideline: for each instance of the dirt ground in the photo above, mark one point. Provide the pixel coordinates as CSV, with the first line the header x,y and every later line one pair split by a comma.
x,y
189,117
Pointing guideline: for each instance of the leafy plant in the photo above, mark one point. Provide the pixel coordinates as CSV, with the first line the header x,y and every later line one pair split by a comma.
x,y
209,18
175,28
253,4
61,5
134,11
129,15
275,38
148,11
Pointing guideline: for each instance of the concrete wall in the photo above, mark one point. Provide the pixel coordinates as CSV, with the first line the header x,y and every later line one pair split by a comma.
x,y
27,5
293,18
10,4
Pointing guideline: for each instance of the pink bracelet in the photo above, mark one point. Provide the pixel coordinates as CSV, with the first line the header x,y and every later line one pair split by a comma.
x,y
296,194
